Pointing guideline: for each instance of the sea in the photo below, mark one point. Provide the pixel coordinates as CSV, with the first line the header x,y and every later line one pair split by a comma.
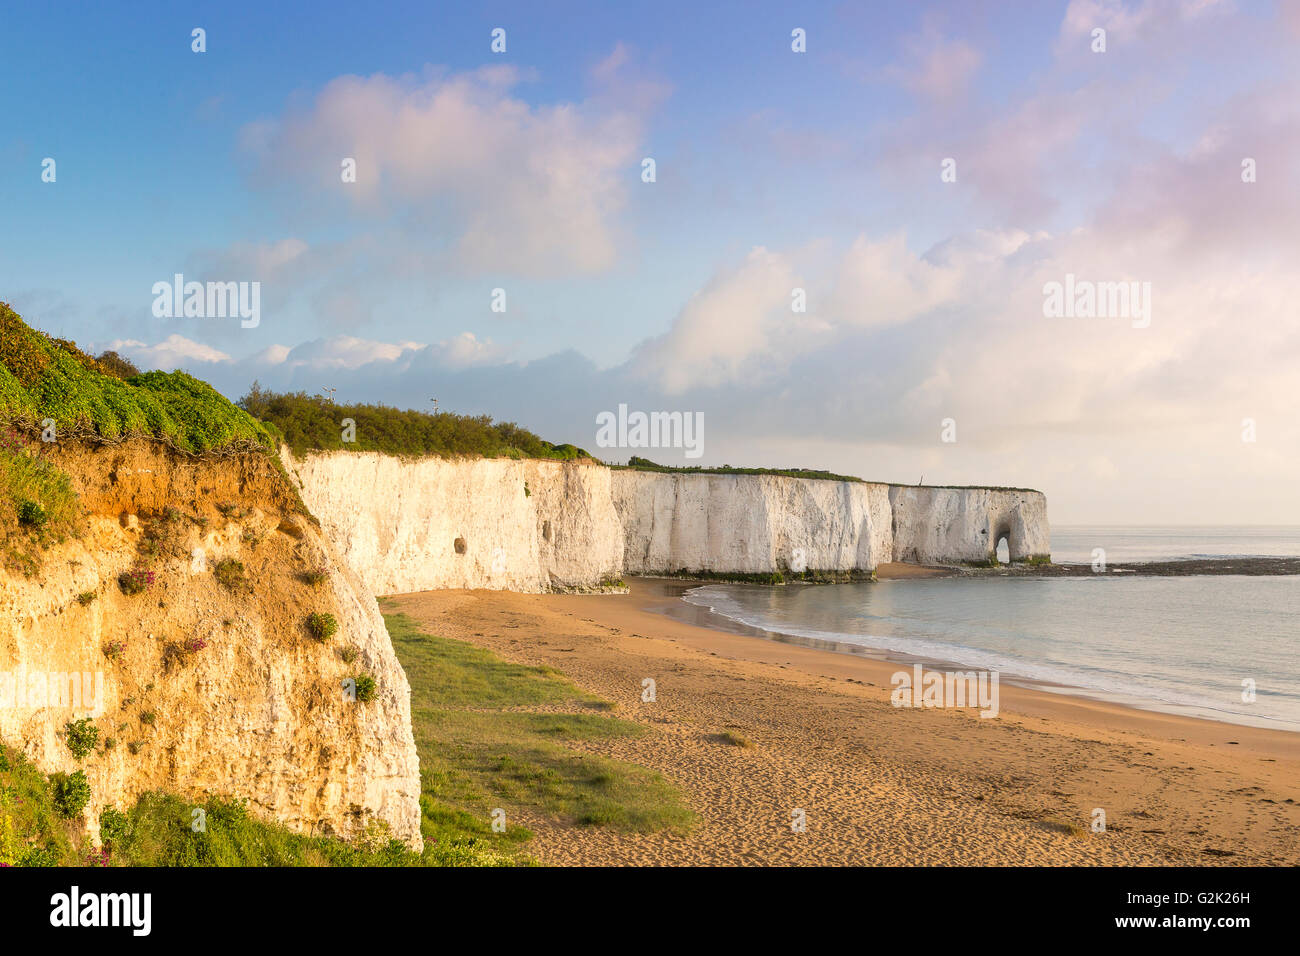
x,y
1224,647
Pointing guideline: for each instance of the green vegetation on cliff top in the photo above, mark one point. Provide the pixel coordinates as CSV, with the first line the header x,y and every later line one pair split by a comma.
x,y
47,378
314,423
644,464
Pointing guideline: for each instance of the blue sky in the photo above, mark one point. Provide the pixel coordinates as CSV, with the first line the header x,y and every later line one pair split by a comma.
x,y
775,169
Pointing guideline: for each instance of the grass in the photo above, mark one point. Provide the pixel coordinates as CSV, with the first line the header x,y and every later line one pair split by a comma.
x,y
480,748
484,743
38,506
734,739
1068,828
32,831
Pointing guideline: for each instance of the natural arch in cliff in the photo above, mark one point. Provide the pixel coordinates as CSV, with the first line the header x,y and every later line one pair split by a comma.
x,y
1003,546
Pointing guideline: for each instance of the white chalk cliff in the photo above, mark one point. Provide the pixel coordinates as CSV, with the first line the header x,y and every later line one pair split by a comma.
x,y
420,524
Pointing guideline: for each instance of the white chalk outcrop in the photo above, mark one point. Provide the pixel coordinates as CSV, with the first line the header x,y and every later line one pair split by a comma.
x,y
421,524
938,525
749,524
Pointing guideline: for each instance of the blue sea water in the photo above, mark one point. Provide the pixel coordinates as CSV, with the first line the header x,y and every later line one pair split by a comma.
x,y
1182,644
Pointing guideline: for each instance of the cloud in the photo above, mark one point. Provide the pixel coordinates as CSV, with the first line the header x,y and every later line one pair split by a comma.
x,y
935,67
337,353
507,186
175,351
741,325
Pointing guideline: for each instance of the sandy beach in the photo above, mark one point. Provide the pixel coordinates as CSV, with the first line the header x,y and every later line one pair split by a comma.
x,y
878,784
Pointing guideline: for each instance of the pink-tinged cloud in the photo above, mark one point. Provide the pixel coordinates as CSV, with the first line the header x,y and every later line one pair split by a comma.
x,y
460,160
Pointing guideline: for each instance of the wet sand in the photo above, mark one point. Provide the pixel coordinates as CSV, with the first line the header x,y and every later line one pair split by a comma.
x,y
878,784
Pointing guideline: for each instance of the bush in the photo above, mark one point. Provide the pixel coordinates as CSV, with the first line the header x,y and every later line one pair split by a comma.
x,y
148,717
315,577
86,597
312,422
117,366
31,514
230,573
348,654
114,649
113,825
81,737
136,581
70,792
365,685
322,626
39,856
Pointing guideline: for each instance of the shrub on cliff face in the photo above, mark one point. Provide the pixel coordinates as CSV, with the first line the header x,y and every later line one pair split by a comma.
x,y
31,514
364,687
114,825
230,573
315,577
81,736
136,581
70,793
322,626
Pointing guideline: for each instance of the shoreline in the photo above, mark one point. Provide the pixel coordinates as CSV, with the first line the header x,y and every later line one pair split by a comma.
x,y
881,785
676,607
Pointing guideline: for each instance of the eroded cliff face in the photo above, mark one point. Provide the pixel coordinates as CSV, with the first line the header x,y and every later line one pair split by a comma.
x,y
215,689
420,524
751,524
938,525
412,525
